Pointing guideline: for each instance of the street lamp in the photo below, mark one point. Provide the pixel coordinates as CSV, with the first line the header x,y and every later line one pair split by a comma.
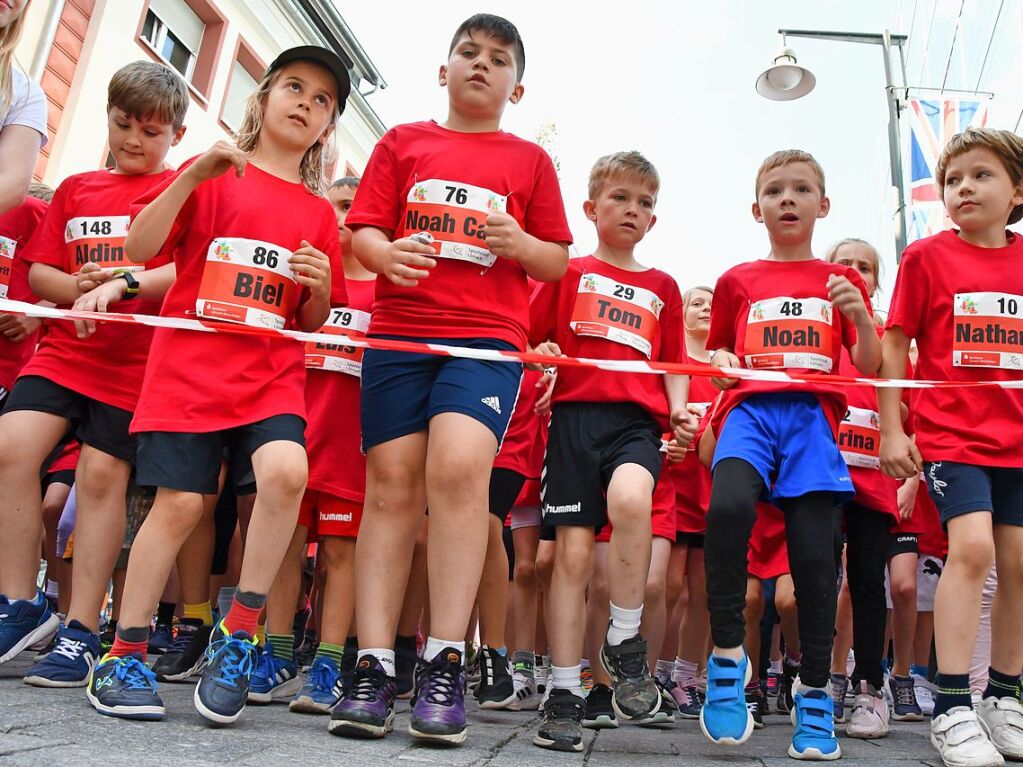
x,y
785,80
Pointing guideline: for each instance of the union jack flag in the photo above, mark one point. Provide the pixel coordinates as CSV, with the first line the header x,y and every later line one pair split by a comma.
x,y
931,125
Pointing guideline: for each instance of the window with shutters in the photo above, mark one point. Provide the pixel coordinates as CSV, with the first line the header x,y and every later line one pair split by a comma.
x,y
246,72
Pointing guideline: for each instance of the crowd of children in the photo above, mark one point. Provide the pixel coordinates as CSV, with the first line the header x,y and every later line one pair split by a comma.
x,y
333,527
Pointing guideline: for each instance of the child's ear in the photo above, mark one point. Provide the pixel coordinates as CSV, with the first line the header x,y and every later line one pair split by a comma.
x,y
590,210
178,135
516,95
442,76
758,216
653,220
825,207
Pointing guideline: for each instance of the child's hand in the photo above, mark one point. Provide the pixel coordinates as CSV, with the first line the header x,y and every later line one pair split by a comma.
x,y
311,268
98,300
16,327
90,277
684,425
550,377
724,359
408,261
846,297
900,457
906,496
217,160
505,237
676,453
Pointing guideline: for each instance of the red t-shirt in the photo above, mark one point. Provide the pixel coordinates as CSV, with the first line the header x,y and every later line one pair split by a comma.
x,y
768,554
87,221
334,434
926,522
522,450
964,307
202,382
775,315
602,312
422,177
16,229
692,478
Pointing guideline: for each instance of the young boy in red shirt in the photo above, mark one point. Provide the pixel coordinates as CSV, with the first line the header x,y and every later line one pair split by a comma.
x,y
432,425
603,455
84,380
959,294
776,442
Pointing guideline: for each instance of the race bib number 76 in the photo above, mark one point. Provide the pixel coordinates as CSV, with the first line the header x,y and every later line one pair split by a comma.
x,y
456,215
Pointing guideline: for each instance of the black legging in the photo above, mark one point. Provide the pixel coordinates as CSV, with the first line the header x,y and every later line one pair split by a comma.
x,y
866,554
809,530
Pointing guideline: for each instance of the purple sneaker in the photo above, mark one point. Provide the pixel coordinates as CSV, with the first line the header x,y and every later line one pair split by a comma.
x,y
366,710
438,708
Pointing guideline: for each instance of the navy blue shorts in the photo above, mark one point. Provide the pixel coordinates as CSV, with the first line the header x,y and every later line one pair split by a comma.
x,y
786,438
402,391
962,488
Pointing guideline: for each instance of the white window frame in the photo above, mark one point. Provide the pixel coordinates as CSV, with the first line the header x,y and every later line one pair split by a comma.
x,y
161,29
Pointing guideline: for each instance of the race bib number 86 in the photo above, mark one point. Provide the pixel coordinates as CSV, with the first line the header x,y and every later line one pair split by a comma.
x,y
789,332
248,282
988,331
455,214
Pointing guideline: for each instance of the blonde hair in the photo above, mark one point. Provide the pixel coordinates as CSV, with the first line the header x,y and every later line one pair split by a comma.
x,y
787,157
146,89
687,297
832,255
9,37
313,166
622,164
1006,144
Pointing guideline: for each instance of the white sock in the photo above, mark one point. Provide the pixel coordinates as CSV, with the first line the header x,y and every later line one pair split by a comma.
x,y
624,624
567,678
52,589
684,673
776,666
434,647
663,670
383,654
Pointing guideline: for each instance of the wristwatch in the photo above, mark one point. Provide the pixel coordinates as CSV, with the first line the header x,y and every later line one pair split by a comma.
x,y
133,285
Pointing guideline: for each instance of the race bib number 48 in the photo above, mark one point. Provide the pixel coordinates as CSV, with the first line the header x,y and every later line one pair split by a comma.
x,y
339,358
98,240
988,331
455,214
248,282
859,438
621,313
7,248
789,333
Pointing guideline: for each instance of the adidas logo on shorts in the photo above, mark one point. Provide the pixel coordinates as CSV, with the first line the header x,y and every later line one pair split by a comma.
x,y
494,403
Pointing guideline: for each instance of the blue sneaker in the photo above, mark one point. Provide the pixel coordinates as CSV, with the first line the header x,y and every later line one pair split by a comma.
x,y
224,685
724,717
322,689
160,640
814,736
69,663
273,678
125,688
23,623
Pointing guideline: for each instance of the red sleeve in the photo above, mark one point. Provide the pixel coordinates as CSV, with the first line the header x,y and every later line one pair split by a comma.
x,y
673,345
29,217
545,214
909,299
47,243
332,248
722,316
543,309
378,199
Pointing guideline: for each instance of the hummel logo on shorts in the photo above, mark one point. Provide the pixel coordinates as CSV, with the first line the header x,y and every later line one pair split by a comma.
x,y
494,403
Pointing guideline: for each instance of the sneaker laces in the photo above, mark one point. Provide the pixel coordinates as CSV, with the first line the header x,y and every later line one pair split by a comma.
x,y
182,640
631,664
134,674
692,695
904,695
236,659
71,649
440,681
366,683
563,707
322,675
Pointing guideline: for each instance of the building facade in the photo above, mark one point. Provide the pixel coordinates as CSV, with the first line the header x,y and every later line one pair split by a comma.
x,y
220,47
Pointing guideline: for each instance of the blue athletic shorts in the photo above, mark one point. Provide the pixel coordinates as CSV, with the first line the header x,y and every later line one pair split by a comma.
x,y
786,438
962,488
402,391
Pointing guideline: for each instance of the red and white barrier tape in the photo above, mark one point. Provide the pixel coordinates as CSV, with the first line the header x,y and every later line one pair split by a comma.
x,y
621,366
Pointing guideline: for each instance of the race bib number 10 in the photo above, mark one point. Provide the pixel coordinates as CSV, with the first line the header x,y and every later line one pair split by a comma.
x,y
7,248
988,331
336,357
455,214
621,313
859,438
248,282
789,333
98,240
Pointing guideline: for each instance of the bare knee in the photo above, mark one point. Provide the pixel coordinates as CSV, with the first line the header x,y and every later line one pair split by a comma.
x,y
176,510
903,592
525,573
101,474
973,558
285,478
395,489
336,552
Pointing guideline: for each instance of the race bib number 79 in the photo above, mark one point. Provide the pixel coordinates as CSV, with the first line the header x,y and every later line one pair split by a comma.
x,y
455,214
988,331
248,282
789,332
339,358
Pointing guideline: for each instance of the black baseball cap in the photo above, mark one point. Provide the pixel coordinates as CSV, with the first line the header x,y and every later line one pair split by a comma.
x,y
325,58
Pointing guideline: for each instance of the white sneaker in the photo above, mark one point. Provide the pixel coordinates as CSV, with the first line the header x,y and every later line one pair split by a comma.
x,y
1002,720
958,736
925,692
869,717
526,696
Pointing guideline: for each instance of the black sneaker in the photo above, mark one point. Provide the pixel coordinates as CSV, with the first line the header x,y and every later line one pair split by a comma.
x,y
636,696
125,688
404,672
906,708
496,689
305,653
186,656
789,672
223,688
562,729
600,714
756,702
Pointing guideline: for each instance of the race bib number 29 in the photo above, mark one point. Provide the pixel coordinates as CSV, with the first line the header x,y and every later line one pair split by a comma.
x,y
988,331
455,214
789,332
248,282
7,248
625,314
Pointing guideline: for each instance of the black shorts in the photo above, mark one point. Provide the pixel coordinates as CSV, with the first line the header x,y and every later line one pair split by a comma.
x,y
191,462
692,540
962,488
586,443
96,424
505,486
903,543
62,477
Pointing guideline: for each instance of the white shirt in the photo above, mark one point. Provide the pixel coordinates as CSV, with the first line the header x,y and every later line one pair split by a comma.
x,y
28,105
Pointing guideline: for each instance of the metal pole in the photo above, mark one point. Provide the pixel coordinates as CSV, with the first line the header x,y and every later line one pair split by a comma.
x,y
45,44
895,150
